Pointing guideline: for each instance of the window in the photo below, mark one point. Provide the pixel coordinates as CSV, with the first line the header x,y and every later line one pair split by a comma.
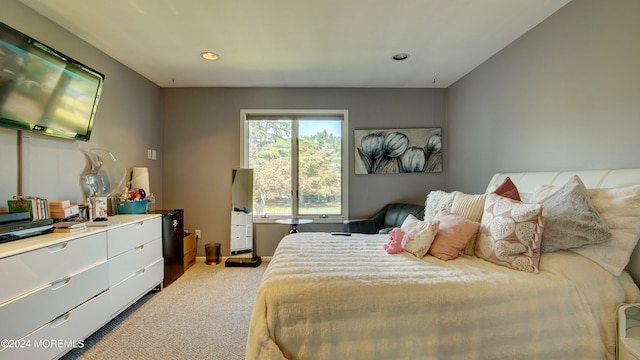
x,y
299,162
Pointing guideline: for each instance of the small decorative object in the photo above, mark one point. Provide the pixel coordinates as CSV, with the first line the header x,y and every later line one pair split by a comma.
x,y
140,179
396,237
151,205
104,179
100,206
105,176
398,151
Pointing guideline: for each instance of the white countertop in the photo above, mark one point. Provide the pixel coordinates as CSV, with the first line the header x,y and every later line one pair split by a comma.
x,y
31,243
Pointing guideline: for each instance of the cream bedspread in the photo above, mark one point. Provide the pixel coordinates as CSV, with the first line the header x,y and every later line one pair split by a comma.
x,y
335,297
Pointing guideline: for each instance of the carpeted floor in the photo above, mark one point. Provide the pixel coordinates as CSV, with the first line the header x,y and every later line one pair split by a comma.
x,y
204,314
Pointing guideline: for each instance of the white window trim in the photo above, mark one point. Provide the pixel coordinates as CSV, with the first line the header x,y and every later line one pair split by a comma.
x,y
244,156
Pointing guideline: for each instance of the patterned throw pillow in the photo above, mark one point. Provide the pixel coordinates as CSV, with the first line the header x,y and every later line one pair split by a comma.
x,y
437,200
571,220
453,235
420,235
510,233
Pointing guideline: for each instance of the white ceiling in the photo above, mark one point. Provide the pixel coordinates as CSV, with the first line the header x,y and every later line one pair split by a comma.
x,y
309,43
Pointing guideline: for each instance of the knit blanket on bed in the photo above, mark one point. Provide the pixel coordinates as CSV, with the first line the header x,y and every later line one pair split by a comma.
x,y
335,297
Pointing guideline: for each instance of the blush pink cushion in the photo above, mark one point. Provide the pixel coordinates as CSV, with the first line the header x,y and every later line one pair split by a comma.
x,y
453,235
508,189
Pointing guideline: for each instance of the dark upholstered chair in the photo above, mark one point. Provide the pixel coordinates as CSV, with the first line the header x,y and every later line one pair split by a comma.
x,y
392,215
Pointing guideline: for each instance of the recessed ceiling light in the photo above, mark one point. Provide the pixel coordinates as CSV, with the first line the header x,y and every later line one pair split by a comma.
x,y
400,57
210,56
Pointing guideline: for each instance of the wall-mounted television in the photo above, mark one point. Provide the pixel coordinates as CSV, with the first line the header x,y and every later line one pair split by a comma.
x,y
45,91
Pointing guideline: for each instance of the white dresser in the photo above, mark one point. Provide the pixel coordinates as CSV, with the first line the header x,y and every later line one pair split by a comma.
x,y
241,234
57,289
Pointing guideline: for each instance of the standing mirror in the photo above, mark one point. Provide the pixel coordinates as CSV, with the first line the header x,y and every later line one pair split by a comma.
x,y
241,244
242,190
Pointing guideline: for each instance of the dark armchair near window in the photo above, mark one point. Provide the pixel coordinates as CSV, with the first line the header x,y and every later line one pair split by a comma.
x,y
392,215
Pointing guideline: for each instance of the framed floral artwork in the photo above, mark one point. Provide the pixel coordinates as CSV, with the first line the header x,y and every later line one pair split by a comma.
x,y
385,151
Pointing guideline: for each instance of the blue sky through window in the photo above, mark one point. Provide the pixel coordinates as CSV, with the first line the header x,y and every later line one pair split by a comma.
x,y
311,127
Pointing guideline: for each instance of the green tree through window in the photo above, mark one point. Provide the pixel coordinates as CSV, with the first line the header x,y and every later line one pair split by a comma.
x,y
298,162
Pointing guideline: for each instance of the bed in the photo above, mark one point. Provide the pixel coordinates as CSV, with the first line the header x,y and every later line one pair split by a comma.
x,y
336,297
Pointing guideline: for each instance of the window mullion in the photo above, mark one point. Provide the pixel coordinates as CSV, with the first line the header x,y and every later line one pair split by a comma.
x,y
295,193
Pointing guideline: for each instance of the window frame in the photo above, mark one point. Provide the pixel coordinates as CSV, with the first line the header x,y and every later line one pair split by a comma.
x,y
244,158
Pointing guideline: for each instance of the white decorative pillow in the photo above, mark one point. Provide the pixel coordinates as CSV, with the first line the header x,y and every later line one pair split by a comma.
x,y
620,209
510,233
437,200
470,207
542,192
419,234
526,197
571,220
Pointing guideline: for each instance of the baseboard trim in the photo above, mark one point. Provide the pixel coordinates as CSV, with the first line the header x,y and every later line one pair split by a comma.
x,y
202,259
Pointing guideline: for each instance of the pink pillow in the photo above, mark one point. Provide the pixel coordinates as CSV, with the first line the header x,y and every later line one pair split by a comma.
x,y
453,235
508,189
510,233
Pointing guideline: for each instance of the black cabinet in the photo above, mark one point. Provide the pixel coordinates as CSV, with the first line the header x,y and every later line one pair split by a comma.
x,y
172,244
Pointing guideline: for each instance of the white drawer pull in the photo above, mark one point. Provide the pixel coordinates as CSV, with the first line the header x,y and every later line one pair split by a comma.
x,y
60,320
139,248
60,283
57,247
141,272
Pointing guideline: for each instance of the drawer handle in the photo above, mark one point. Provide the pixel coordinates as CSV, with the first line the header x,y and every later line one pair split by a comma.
x,y
57,247
141,272
139,248
60,283
60,320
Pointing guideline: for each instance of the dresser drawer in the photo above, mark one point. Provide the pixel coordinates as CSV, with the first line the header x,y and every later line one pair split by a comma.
x,y
63,333
34,269
125,238
241,219
135,286
123,265
241,231
26,313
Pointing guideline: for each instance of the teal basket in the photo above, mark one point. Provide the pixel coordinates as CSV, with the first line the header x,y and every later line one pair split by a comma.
x,y
132,207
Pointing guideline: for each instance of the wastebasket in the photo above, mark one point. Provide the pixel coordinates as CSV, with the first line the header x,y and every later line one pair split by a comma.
x,y
212,252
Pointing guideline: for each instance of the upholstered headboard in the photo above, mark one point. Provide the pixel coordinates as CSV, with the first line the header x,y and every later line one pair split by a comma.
x,y
526,182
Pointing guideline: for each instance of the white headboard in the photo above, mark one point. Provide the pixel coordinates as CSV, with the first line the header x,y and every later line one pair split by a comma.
x,y
526,182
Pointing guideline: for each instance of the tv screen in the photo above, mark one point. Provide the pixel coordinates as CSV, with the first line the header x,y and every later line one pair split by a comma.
x,y
45,91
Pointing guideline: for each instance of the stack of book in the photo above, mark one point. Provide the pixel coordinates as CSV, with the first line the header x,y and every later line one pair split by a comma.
x,y
68,226
62,209
37,207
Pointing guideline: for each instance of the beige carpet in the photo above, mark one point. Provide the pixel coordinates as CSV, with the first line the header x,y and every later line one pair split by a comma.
x,y
204,314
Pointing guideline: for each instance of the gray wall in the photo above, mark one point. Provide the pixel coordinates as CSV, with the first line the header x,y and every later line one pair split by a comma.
x,y
201,129
566,95
127,122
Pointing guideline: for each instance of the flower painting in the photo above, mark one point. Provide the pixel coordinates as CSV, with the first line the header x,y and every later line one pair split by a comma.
x,y
398,150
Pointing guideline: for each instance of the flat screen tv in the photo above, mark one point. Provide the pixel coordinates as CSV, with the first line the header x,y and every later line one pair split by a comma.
x,y
45,91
